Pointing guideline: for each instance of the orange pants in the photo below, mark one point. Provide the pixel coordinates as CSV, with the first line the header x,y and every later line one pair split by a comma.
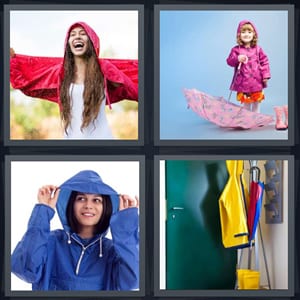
x,y
250,97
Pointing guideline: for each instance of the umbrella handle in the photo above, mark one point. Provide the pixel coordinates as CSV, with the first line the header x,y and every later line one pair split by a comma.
x,y
238,69
253,168
257,169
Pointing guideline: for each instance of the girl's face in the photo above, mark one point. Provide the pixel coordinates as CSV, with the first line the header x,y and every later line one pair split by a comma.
x,y
247,35
88,209
78,41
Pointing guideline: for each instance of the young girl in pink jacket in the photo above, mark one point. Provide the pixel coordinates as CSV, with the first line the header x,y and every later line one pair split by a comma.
x,y
252,70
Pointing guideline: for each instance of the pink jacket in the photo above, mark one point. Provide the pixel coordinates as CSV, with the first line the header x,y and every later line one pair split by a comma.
x,y
251,74
41,77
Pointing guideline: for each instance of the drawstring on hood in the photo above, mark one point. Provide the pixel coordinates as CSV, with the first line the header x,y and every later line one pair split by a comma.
x,y
100,247
69,237
83,249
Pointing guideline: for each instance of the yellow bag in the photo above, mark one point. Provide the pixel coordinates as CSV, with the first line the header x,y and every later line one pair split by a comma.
x,y
232,206
248,279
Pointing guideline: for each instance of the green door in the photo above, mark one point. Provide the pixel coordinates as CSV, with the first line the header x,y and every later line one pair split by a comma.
x,y
196,258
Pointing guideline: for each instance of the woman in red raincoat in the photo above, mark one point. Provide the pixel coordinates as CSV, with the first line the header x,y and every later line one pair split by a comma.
x,y
80,83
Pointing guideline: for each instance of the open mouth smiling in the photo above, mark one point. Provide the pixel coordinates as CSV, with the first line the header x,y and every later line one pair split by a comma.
x,y
78,45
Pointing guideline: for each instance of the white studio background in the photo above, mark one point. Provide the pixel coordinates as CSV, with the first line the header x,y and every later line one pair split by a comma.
x,y
28,176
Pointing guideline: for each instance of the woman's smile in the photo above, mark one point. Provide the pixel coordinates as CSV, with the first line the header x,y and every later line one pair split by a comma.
x,y
88,208
78,40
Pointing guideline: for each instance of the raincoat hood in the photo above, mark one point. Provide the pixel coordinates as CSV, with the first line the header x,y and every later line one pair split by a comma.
x,y
86,181
243,23
89,31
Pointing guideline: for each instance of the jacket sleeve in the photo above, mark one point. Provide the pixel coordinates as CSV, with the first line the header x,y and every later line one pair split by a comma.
x,y
35,76
232,59
30,254
264,64
125,234
121,79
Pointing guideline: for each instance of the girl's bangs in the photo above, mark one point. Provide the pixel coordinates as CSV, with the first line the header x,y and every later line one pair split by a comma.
x,y
247,27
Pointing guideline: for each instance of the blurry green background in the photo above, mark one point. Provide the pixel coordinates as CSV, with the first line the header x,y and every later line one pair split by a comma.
x,y
33,118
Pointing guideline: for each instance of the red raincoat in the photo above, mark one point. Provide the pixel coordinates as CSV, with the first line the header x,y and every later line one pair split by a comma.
x,y
41,77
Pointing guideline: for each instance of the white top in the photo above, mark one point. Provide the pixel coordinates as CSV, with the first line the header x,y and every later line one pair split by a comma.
x,y
99,129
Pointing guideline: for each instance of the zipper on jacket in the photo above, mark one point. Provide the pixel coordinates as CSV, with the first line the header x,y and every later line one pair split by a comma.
x,y
82,252
79,261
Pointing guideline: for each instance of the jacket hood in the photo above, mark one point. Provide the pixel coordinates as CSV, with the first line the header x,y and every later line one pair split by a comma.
x,y
243,23
86,181
90,32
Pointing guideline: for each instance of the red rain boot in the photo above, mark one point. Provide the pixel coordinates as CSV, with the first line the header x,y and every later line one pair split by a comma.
x,y
286,115
279,123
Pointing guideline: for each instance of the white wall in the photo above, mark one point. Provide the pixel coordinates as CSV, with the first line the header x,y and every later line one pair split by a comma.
x,y
276,242
162,220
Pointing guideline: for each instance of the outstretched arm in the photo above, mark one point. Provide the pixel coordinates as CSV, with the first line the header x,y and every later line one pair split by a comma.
x,y
122,79
35,76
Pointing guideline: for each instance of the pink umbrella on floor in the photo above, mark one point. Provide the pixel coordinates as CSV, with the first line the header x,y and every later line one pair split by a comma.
x,y
224,113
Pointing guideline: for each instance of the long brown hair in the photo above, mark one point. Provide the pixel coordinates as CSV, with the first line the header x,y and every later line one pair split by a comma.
x,y
93,93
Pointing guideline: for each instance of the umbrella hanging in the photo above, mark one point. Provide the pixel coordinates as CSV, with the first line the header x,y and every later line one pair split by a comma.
x,y
249,278
223,113
255,203
256,196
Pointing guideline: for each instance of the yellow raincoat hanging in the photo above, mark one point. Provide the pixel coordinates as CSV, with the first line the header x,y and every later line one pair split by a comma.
x,y
232,205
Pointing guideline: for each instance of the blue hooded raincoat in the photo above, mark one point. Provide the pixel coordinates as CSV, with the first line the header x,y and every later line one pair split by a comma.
x,y
61,260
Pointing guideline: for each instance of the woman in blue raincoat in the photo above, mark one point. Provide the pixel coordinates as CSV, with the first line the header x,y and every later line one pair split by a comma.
x,y
79,256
